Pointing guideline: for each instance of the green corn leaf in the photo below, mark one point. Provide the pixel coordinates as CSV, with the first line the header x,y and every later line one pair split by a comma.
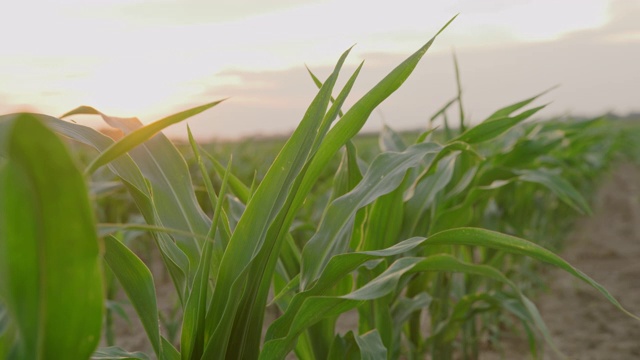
x,y
337,267
514,245
463,310
105,229
116,308
170,352
346,128
385,174
424,195
220,235
442,110
353,120
348,174
384,220
263,264
309,307
459,216
316,308
390,140
459,95
430,166
165,178
123,166
193,336
4,320
334,110
494,127
242,191
310,313
137,282
371,346
116,353
465,171
173,203
47,228
403,309
344,347
561,187
507,111
251,234
137,136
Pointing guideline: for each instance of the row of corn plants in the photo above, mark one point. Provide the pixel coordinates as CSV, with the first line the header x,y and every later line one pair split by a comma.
x,y
424,241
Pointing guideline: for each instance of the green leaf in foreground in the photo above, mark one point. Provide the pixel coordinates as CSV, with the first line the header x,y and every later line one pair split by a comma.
x,y
247,247
50,278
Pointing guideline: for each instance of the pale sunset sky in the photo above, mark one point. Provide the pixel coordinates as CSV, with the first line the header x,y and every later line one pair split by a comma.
x,y
153,58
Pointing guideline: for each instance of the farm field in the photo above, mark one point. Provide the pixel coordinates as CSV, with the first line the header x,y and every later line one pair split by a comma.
x,y
606,246
439,243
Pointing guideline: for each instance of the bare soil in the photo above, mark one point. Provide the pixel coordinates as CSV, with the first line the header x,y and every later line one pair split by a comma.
x,y
605,246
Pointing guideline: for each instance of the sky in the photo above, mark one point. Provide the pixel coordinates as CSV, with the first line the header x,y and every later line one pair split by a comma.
x,y
153,58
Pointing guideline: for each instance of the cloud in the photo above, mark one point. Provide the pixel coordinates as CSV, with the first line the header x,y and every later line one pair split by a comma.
x,y
189,12
623,25
151,58
595,74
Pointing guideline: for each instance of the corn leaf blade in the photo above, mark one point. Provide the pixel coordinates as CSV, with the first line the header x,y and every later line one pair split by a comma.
x,y
137,282
47,227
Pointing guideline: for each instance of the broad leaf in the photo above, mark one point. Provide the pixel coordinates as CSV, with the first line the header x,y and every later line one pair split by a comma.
x,y
50,276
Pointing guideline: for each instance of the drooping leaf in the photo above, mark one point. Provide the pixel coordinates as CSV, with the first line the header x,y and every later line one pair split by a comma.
x,y
137,136
167,198
561,187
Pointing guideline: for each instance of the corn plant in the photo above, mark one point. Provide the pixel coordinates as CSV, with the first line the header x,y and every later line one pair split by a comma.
x,y
396,237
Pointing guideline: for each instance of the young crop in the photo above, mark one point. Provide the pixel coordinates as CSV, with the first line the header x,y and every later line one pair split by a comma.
x,y
412,231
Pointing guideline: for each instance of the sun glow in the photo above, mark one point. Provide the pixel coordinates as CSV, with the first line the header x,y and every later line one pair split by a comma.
x,y
152,58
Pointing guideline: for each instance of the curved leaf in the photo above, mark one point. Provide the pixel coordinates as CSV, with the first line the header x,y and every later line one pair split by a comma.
x,y
137,136
385,174
561,187
308,307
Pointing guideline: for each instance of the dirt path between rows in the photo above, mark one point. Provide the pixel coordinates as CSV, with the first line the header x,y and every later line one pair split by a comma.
x,y
605,246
